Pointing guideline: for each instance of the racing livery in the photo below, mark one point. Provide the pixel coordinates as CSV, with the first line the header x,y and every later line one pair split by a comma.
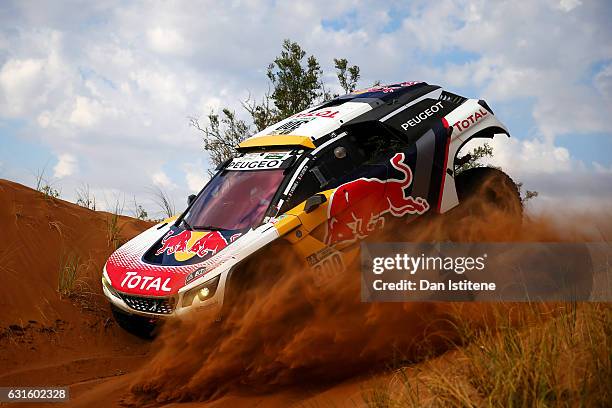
x,y
320,181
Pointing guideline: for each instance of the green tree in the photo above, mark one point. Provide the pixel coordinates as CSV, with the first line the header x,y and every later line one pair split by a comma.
x,y
474,158
347,76
295,86
222,134
263,114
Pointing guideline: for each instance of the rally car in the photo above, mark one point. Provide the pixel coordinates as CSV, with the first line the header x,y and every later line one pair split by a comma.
x,y
319,181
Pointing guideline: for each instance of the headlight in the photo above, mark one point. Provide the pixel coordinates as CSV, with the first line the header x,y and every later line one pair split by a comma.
x,y
204,291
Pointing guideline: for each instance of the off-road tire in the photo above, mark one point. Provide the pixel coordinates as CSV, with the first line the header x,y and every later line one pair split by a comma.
x,y
139,326
489,209
491,186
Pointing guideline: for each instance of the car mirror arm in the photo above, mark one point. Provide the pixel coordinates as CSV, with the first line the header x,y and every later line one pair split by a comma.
x,y
314,202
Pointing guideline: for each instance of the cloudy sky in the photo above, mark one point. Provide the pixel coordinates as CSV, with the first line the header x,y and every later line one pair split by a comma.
x,y
99,92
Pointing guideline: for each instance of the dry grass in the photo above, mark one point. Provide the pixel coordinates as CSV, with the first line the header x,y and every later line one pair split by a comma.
x,y
113,229
540,356
69,276
85,197
44,185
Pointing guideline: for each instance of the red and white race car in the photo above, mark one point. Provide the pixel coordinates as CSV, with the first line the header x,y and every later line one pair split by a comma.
x,y
318,181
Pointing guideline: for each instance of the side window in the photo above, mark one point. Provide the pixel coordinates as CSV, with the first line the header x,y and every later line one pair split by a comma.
x,y
376,142
324,172
305,188
345,160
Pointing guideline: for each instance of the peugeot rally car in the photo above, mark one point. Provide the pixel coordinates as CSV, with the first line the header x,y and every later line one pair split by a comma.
x,y
320,181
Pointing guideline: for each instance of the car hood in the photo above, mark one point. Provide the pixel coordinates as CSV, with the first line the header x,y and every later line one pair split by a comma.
x,y
163,259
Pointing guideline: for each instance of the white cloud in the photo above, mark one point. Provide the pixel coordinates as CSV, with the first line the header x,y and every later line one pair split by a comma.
x,y
603,82
66,165
526,159
568,5
195,176
86,112
19,80
161,179
166,40
600,168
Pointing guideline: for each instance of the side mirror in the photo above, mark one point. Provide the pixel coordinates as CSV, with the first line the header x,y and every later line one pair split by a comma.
x,y
314,202
190,199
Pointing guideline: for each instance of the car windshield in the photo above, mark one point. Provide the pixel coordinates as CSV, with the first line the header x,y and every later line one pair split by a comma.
x,y
234,200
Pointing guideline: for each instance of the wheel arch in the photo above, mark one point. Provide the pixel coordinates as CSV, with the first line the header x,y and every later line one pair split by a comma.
x,y
486,128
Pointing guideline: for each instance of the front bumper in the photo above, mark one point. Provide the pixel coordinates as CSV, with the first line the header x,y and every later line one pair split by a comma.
x,y
161,307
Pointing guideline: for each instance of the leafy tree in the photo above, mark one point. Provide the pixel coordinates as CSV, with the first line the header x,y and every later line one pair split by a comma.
x,y
263,114
347,76
527,195
474,158
222,135
295,86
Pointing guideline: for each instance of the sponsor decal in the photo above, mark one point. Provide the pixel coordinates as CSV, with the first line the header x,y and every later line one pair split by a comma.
x,y
410,83
386,88
133,280
291,125
423,115
195,275
174,243
383,89
275,156
464,124
319,114
356,208
276,219
297,181
318,256
208,245
238,164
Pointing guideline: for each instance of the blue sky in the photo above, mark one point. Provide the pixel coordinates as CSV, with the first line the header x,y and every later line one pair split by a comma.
x,y
100,93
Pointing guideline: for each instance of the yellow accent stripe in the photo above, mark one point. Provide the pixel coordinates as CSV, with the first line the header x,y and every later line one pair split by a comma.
x,y
277,140
170,219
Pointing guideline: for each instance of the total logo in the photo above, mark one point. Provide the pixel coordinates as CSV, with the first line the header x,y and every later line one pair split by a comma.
x,y
320,114
133,280
466,123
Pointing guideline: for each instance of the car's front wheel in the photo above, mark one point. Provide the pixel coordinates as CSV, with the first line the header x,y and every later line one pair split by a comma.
x,y
140,326
489,205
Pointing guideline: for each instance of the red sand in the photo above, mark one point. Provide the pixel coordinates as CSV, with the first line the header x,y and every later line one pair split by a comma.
x,y
281,352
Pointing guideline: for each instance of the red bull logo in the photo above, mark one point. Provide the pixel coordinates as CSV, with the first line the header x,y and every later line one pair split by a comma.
x,y
174,243
356,208
208,245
